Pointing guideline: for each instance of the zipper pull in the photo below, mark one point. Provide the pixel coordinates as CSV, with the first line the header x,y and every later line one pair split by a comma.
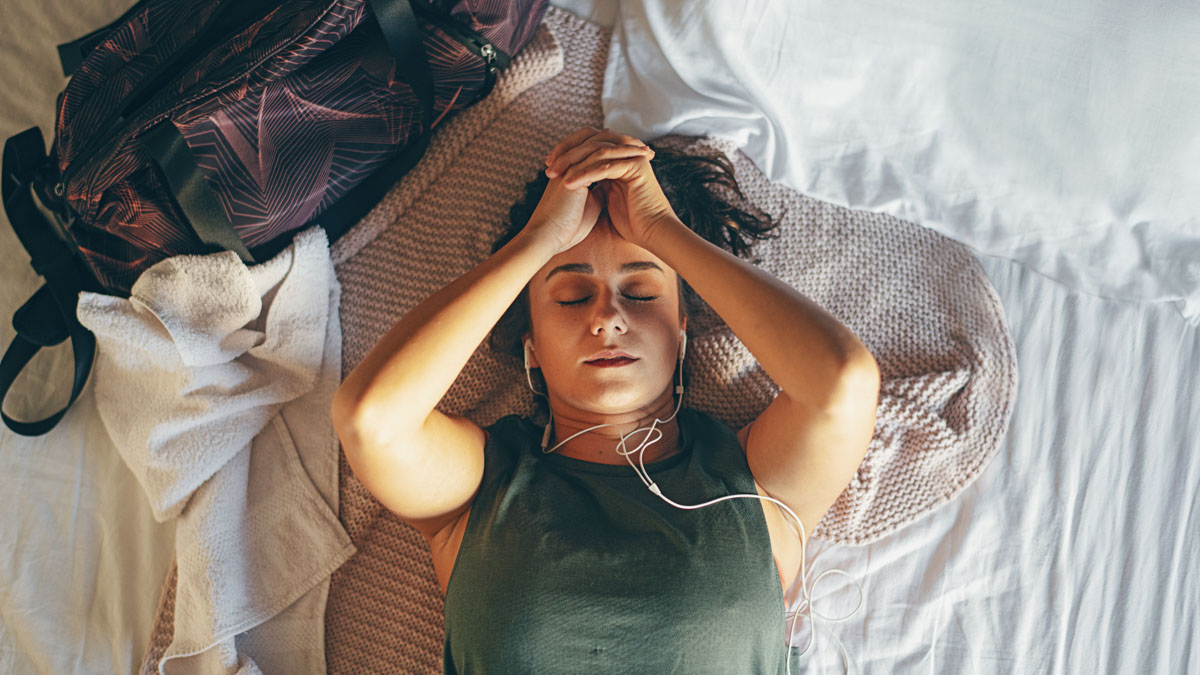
x,y
488,52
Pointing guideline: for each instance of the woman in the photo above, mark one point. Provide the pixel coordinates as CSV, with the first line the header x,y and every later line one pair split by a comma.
x,y
568,563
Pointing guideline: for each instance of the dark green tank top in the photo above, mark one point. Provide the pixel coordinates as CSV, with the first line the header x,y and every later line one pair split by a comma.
x,y
568,566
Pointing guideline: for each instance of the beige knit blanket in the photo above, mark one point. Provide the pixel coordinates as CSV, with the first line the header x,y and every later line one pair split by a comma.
x,y
919,301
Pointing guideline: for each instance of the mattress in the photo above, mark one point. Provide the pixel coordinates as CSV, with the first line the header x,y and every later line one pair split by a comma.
x,y
1072,552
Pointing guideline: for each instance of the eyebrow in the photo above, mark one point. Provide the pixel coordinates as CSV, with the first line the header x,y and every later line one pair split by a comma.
x,y
585,268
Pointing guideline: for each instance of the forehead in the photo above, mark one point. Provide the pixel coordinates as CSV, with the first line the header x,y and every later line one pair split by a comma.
x,y
603,253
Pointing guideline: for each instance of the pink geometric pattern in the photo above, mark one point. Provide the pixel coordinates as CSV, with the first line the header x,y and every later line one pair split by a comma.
x,y
283,116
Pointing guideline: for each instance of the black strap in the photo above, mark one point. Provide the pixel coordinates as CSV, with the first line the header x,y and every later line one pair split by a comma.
x,y
404,39
48,317
200,204
196,198
403,35
71,54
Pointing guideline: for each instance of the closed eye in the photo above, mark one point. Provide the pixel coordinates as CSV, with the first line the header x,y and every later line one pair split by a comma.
x,y
633,298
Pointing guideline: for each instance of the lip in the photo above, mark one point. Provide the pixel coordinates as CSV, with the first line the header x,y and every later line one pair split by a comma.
x,y
611,364
610,354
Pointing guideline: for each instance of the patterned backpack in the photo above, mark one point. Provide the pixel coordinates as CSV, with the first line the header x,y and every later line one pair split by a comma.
x,y
197,127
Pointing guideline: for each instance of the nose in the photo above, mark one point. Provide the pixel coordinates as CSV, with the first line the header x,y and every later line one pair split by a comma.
x,y
608,317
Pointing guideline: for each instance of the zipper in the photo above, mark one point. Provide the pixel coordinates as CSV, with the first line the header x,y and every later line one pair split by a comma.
x,y
494,57
473,41
126,124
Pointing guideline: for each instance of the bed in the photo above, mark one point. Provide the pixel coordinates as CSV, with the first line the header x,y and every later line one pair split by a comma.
x,y
1069,553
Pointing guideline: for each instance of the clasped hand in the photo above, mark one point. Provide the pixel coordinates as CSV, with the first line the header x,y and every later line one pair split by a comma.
x,y
598,168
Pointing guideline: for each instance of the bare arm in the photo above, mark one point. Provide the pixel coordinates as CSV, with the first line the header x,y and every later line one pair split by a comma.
x,y
803,349
810,440
392,392
390,397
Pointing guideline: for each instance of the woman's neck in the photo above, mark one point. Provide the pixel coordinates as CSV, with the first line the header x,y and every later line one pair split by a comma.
x,y
601,445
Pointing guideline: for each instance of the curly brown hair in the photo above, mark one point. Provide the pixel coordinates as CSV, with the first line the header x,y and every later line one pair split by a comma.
x,y
705,196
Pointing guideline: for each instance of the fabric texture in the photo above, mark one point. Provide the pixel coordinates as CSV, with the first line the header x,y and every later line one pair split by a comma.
x,y
919,301
569,566
284,110
1018,574
214,381
1063,137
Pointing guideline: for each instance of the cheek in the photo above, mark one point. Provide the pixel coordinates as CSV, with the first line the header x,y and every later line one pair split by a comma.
x,y
666,327
551,339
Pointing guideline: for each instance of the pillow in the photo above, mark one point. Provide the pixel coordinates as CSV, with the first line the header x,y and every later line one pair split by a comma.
x,y
1064,136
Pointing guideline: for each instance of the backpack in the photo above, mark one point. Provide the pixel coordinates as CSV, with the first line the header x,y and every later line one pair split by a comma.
x,y
193,128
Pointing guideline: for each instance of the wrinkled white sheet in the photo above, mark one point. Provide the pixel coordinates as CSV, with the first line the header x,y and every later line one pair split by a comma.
x,y
1062,135
82,559
1072,553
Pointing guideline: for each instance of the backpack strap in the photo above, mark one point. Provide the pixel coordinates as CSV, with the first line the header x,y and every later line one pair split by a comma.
x,y
71,54
200,204
195,197
48,317
403,36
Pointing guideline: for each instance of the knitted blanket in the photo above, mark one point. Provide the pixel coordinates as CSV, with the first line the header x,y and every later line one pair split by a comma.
x,y
918,300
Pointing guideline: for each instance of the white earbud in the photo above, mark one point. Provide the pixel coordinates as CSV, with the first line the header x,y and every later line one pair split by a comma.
x,y
528,377
653,487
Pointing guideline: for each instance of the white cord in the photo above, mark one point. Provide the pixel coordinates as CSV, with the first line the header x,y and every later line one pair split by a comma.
x,y
806,601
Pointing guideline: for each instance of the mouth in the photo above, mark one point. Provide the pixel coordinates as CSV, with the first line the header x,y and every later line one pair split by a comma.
x,y
611,363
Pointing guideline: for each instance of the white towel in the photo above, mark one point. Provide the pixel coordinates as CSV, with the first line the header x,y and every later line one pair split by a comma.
x,y
215,381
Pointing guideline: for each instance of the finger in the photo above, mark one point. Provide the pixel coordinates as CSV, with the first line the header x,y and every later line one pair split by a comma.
x,y
584,175
593,152
573,140
575,155
593,205
590,133
597,152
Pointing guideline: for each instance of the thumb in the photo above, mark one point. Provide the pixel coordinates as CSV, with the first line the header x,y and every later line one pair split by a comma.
x,y
593,205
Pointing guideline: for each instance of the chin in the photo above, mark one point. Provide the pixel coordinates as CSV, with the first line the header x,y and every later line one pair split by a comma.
x,y
615,401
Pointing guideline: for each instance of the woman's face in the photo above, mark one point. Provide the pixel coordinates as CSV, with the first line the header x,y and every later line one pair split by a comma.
x,y
602,275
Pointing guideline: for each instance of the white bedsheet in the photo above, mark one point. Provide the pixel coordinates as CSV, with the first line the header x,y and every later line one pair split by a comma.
x,y
1064,135
1072,553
